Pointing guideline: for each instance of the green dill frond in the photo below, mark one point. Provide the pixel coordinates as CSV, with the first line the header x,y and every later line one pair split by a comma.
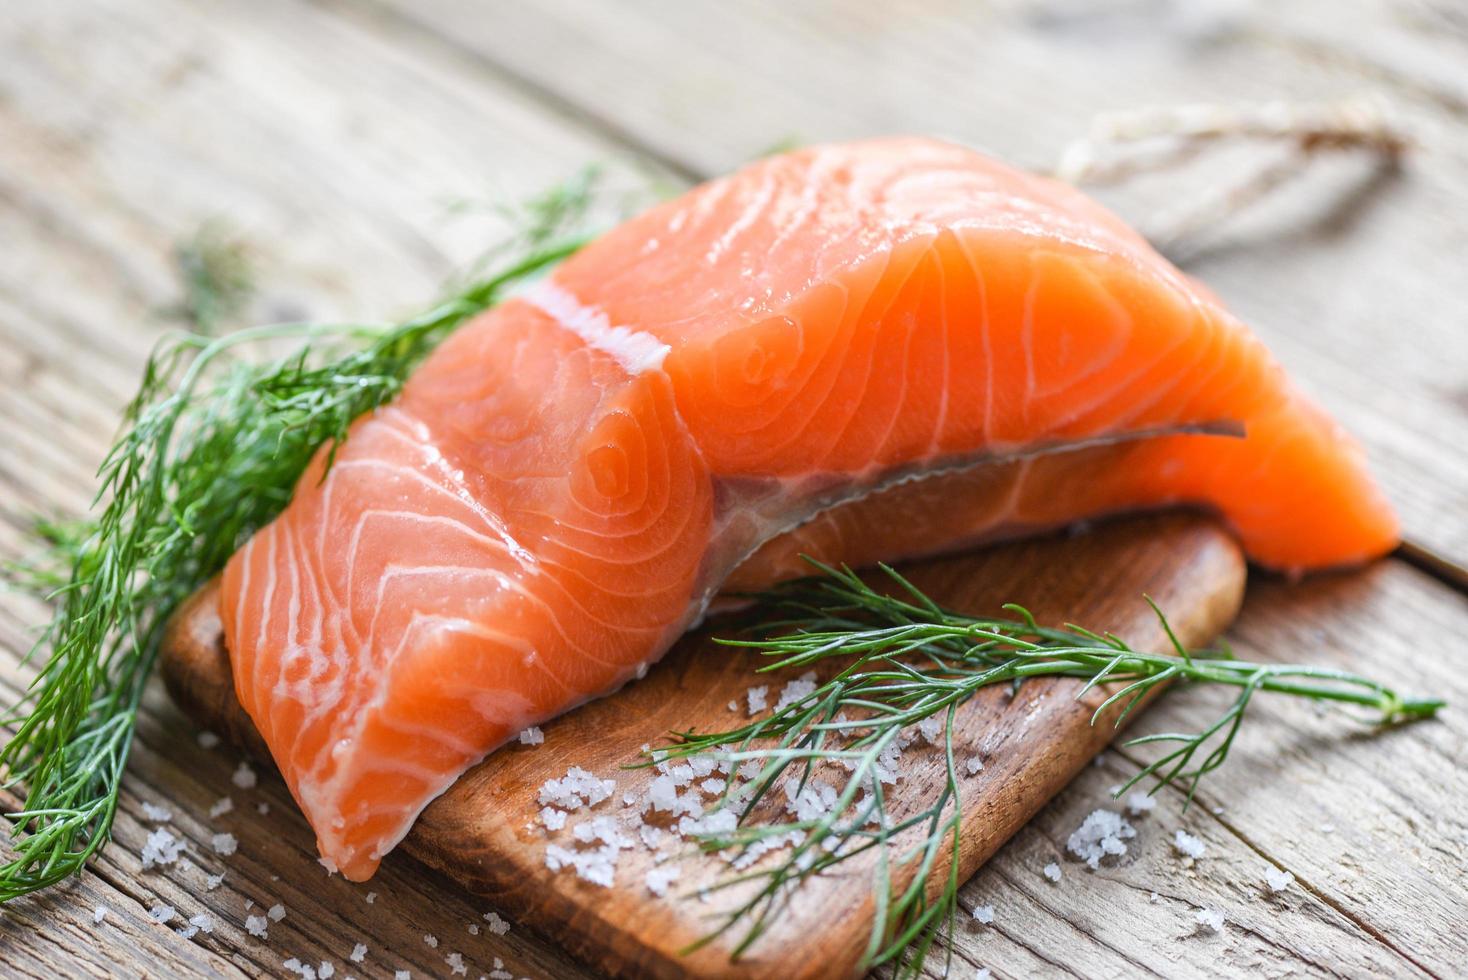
x,y
210,449
903,661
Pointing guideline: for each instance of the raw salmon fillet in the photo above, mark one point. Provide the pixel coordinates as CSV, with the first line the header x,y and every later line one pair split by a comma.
x,y
859,351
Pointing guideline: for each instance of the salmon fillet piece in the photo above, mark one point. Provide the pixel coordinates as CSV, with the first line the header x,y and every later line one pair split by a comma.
x,y
861,351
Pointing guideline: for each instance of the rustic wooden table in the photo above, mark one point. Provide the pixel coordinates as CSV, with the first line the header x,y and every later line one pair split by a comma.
x,y
340,139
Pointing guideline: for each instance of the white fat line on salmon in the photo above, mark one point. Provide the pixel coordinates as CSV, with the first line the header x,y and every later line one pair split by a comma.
x,y
849,488
636,351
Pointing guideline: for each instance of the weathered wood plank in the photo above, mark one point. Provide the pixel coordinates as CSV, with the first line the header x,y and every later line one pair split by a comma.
x,y
483,831
332,144
1371,824
711,85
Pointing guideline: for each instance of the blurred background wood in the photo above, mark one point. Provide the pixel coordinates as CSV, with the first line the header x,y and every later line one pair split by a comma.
x,y
358,149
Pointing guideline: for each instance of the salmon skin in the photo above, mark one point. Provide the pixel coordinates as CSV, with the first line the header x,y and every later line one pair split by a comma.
x,y
823,353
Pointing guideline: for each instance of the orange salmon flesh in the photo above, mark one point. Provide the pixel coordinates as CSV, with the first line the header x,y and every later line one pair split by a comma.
x,y
857,352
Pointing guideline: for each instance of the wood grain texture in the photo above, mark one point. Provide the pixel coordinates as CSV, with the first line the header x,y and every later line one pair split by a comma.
x,y
484,834
333,138
708,86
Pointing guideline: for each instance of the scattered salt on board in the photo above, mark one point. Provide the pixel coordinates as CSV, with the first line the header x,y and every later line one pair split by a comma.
x,y
244,777
1188,846
1103,833
1210,919
160,848
658,879
1140,803
1278,880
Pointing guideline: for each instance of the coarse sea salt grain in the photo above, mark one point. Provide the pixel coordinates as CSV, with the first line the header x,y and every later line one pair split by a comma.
x,y
244,777
402,975
931,728
974,765
257,925
1210,919
663,793
984,914
371,897
797,690
263,808
532,736
162,913
224,844
658,879
1052,871
213,881
1278,880
1140,803
99,913
161,848
203,922
358,953
430,940
456,963
221,806
552,818
1188,846
207,740
157,814
576,789
497,925
1103,833
276,912
758,698
325,971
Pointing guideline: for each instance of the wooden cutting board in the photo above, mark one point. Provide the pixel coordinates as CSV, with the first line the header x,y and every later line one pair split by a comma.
x,y
483,832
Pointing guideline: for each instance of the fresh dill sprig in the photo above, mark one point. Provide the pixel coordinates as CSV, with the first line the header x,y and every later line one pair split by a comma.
x,y
906,661
210,449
